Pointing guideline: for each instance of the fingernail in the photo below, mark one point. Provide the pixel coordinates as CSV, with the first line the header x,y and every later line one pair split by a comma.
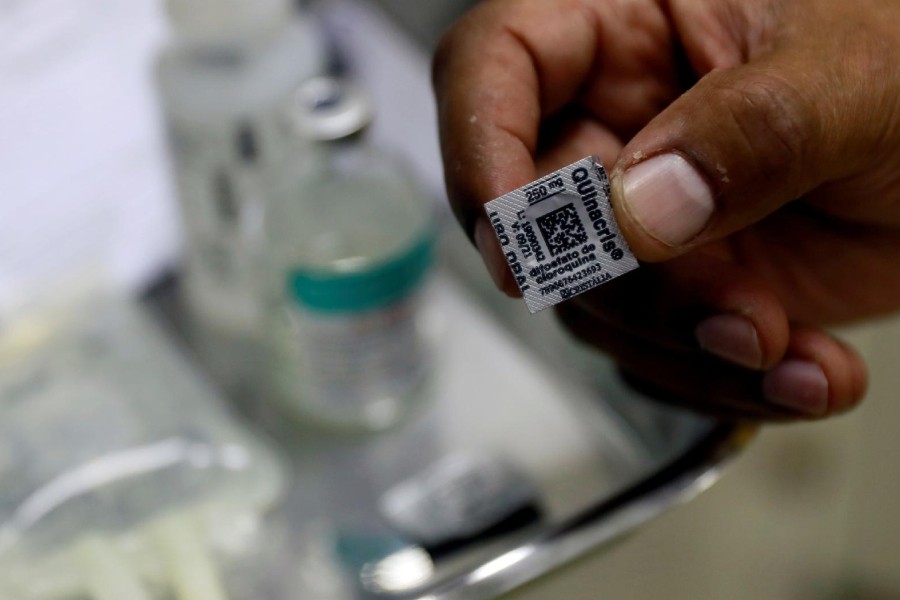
x,y
489,247
731,338
800,385
668,198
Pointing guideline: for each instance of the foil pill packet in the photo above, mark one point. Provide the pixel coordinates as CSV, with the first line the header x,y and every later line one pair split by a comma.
x,y
559,234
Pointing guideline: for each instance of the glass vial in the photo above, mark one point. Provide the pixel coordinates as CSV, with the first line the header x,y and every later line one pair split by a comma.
x,y
352,240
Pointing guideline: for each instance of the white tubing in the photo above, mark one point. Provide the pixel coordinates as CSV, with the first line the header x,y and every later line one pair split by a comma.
x,y
190,566
107,575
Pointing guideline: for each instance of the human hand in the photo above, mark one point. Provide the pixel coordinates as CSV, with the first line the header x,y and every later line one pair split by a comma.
x,y
754,152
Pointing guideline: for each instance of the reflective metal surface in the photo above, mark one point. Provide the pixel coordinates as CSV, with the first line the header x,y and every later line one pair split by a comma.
x,y
686,476
527,452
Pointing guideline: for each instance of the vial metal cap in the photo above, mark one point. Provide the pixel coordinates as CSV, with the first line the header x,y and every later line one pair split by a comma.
x,y
329,108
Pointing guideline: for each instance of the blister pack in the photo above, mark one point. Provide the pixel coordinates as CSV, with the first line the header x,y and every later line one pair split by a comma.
x,y
559,234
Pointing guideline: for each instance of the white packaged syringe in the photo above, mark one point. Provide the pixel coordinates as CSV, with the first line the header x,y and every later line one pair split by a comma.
x,y
559,234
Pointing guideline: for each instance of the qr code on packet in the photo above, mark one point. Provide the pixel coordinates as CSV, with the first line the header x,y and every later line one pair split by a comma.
x,y
562,229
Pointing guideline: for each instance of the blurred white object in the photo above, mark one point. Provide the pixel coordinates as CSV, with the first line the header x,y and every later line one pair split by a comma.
x,y
83,177
351,238
230,66
215,21
110,446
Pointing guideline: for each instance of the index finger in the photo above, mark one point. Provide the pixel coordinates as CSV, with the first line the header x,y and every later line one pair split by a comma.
x,y
496,73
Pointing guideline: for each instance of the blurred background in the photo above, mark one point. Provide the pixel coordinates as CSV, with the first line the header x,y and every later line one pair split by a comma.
x,y
245,353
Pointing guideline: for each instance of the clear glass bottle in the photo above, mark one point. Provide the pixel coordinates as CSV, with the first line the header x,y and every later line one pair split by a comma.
x,y
351,242
229,68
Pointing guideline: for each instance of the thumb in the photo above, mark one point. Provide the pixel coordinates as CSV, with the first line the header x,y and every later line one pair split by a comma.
x,y
737,146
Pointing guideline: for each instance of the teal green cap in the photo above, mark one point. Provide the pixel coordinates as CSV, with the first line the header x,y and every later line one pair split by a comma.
x,y
376,286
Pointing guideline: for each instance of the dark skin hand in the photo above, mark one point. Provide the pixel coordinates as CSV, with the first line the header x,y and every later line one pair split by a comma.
x,y
754,153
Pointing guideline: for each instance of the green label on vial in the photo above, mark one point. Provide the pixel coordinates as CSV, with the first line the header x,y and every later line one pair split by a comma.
x,y
379,285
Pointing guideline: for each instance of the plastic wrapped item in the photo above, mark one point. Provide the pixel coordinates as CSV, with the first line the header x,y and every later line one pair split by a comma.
x,y
461,497
123,477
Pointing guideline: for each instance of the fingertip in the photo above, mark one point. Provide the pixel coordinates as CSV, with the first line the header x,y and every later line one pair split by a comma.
x,y
740,293
668,203
492,255
643,243
754,339
860,377
794,382
798,385
645,249
732,338
742,320
772,328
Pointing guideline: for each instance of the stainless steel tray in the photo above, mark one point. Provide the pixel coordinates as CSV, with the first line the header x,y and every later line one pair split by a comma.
x,y
554,457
